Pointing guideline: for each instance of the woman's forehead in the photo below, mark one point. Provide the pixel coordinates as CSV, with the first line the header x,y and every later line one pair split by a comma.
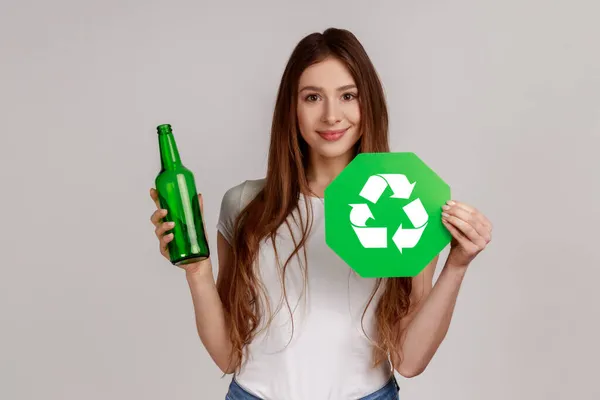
x,y
330,74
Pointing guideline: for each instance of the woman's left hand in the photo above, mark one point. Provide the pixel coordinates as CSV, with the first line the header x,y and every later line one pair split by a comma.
x,y
471,232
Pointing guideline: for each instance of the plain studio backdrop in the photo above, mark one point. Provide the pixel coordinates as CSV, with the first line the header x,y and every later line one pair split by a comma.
x,y
501,99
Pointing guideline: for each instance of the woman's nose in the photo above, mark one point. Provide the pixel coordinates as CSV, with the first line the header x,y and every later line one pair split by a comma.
x,y
331,113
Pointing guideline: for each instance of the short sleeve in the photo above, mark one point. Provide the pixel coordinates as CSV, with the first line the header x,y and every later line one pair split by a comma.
x,y
234,200
230,207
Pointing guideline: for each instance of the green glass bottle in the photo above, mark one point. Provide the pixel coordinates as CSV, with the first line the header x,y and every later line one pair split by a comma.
x,y
177,194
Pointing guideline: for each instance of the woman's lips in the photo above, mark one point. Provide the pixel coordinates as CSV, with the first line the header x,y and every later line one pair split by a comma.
x,y
332,135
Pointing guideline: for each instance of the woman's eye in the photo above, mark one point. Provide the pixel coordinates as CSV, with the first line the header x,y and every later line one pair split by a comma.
x,y
315,97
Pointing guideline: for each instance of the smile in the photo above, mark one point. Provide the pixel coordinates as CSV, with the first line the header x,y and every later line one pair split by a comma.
x,y
332,135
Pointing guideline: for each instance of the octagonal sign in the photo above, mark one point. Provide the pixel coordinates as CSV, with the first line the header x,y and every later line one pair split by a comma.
x,y
383,215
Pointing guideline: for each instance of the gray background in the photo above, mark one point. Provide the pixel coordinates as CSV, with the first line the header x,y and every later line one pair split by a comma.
x,y
502,99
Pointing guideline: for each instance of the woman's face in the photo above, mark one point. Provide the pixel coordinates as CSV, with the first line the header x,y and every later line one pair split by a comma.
x,y
328,109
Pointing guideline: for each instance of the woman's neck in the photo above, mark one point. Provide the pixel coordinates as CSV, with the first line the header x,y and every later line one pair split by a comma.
x,y
321,171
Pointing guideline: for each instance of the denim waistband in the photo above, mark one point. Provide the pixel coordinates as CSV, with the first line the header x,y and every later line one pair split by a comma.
x,y
388,392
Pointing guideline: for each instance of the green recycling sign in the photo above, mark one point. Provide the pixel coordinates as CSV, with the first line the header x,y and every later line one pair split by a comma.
x,y
383,215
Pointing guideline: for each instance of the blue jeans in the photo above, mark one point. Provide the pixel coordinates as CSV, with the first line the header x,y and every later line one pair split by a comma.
x,y
388,392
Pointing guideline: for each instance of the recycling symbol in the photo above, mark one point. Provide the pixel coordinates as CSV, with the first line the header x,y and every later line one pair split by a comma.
x,y
383,215
377,237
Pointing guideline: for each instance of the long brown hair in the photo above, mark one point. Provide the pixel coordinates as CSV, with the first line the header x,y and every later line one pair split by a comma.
x,y
286,180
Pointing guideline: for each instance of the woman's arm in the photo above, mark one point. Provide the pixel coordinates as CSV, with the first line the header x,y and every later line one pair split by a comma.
x,y
471,233
212,322
427,323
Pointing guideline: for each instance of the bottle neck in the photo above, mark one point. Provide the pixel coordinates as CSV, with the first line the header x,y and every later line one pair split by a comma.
x,y
169,154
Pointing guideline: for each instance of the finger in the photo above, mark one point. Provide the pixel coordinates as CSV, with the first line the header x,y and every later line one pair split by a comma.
x,y
486,222
471,219
464,242
456,234
154,196
162,228
462,205
164,242
157,216
201,202
467,230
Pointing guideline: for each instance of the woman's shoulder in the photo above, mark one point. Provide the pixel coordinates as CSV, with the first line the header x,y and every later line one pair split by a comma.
x,y
234,200
250,189
239,195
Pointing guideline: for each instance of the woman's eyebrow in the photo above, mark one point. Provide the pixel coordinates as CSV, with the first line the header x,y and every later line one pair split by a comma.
x,y
320,89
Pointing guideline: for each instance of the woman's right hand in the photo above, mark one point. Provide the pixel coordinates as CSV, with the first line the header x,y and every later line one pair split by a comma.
x,y
162,228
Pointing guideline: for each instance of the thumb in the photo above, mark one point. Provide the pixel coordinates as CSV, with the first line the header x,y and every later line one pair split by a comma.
x,y
154,196
201,202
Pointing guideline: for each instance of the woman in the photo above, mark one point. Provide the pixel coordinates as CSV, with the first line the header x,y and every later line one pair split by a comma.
x,y
286,315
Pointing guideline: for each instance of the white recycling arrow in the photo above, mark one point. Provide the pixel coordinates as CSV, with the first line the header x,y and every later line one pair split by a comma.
x,y
376,184
416,213
373,237
360,214
368,237
373,188
408,238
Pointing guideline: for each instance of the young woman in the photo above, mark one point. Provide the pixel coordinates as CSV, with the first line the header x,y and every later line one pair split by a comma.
x,y
286,315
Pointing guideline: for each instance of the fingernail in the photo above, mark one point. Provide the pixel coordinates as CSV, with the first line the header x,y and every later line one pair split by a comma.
x,y
445,207
450,202
171,223
444,215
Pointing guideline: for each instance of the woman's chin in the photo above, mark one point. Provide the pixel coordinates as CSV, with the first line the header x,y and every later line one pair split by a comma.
x,y
333,150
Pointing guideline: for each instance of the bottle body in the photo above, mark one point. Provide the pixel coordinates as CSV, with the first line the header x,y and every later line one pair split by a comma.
x,y
177,194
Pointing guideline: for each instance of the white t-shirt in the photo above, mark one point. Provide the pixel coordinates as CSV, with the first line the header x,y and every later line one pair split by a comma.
x,y
329,356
